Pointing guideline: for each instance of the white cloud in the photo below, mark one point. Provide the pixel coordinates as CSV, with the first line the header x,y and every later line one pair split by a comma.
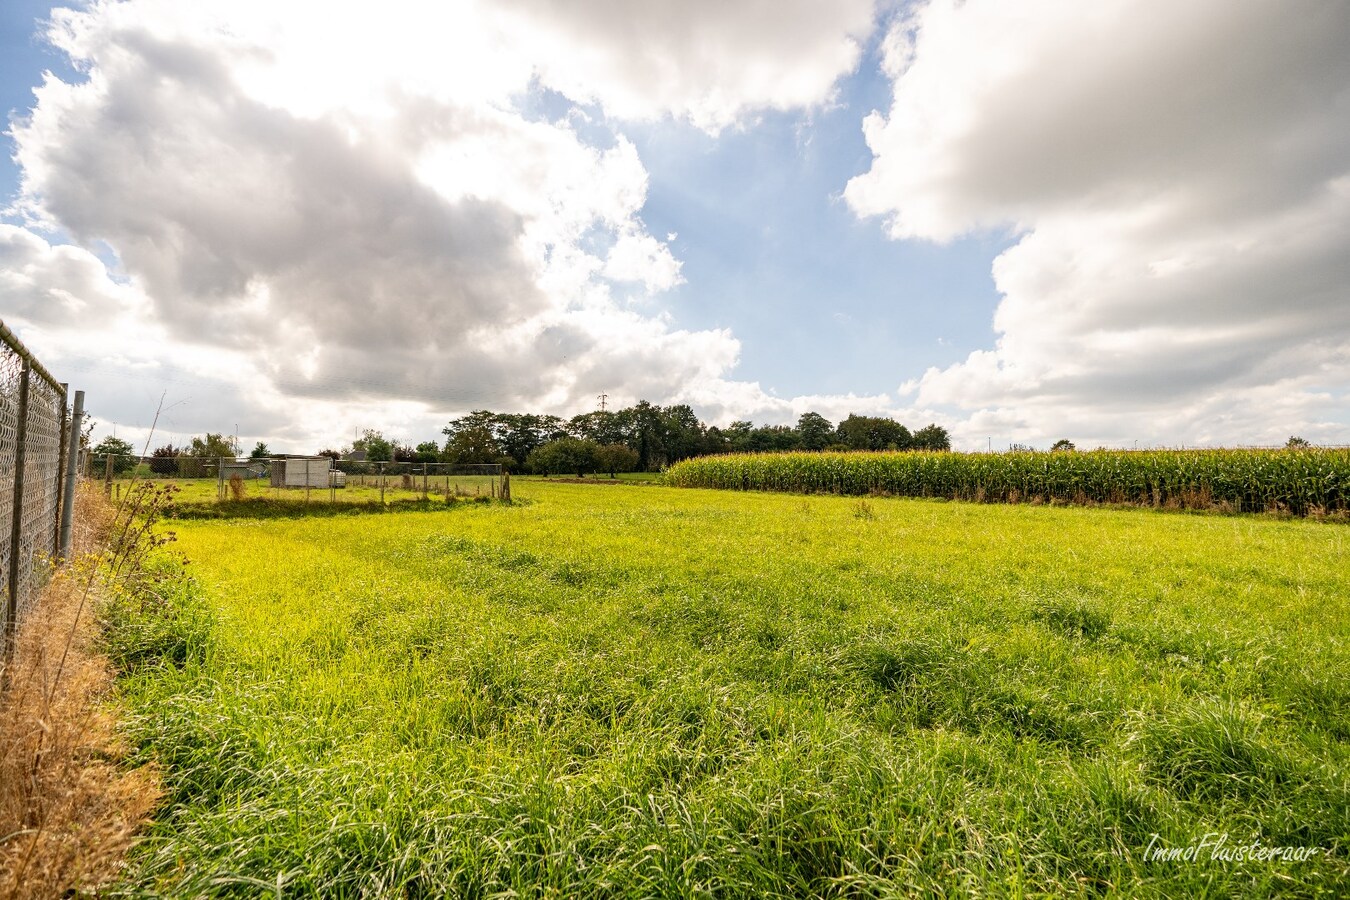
x,y
59,286
338,207
707,60
1179,176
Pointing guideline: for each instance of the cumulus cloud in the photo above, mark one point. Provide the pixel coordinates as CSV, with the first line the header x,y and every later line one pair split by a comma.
x,y
1178,181
344,209
56,286
707,60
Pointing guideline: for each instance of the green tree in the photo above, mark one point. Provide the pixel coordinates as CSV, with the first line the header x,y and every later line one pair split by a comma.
x,y
566,454
774,438
814,431
935,437
472,439
164,460
428,452
601,426
1296,443
378,448
212,446
873,433
1063,445
122,453
739,436
518,434
260,451
616,458
682,434
645,427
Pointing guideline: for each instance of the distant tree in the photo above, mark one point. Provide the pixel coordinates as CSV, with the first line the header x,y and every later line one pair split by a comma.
x,y
933,437
616,458
873,433
770,438
1297,443
1063,445
565,455
332,454
428,452
645,426
601,426
1021,448
87,432
814,431
517,434
682,434
260,451
212,446
472,439
164,460
738,436
119,450
378,448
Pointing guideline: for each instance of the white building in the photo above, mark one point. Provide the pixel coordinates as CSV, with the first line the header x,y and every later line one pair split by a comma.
x,y
302,471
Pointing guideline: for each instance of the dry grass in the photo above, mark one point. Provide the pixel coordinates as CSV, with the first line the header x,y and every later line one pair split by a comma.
x,y
68,811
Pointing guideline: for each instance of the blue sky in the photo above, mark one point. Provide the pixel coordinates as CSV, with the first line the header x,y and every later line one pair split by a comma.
x,y
1023,222
24,56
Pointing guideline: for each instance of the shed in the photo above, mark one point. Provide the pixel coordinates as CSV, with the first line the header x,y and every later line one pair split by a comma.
x,y
253,468
301,471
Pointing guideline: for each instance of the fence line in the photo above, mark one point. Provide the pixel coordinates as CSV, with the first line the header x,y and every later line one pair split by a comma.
x,y
33,448
304,477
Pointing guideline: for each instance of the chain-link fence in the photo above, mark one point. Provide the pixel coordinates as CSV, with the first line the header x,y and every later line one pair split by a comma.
x,y
32,454
303,479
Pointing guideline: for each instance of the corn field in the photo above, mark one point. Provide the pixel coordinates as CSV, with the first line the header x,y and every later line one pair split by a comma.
x,y
1299,481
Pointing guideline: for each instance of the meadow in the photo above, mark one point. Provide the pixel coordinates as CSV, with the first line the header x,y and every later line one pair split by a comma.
x,y
662,692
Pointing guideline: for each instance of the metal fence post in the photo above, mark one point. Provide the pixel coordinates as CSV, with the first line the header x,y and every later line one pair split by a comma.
x,y
72,466
60,467
107,474
16,523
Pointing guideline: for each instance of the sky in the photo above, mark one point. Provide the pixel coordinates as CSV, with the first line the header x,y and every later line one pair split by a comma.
x,y
1121,223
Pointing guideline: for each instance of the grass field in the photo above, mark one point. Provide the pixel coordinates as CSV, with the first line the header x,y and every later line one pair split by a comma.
x,y
649,691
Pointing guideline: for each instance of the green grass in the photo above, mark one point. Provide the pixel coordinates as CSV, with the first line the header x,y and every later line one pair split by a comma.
x,y
195,493
662,693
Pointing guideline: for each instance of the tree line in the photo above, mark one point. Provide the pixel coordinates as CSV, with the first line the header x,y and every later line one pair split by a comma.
x,y
643,437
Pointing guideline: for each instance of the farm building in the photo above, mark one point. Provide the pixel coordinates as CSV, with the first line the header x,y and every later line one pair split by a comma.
x,y
253,468
301,471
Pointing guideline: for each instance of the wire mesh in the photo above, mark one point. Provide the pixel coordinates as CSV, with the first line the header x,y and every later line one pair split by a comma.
x,y
26,551
301,478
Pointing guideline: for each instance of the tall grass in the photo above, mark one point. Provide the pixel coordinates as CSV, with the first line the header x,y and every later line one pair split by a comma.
x,y
673,693
68,811
1297,481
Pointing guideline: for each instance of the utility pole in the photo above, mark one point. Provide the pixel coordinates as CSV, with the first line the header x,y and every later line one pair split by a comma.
x,y
602,398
